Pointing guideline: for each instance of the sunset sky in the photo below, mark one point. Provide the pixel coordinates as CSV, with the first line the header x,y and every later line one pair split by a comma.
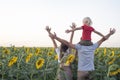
x,y
22,22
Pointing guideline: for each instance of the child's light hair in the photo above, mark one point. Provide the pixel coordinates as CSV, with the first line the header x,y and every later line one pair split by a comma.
x,y
87,20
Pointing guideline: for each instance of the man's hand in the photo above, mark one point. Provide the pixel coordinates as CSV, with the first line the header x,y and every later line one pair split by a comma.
x,y
112,31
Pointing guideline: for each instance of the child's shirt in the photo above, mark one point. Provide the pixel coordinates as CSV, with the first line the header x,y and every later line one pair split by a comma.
x,y
86,34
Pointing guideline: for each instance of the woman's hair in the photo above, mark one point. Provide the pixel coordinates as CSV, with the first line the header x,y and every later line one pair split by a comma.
x,y
63,48
88,20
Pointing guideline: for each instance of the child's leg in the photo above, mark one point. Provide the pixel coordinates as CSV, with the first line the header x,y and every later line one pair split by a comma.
x,y
86,42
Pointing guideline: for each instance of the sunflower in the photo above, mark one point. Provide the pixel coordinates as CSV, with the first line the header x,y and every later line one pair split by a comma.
x,y
105,51
28,57
12,61
56,57
6,51
112,54
97,50
52,49
119,70
39,63
67,63
114,72
27,50
14,48
112,61
70,59
49,53
119,55
37,51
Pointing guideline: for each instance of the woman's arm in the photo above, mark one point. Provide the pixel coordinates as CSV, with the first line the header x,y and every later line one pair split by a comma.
x,y
53,40
54,43
62,41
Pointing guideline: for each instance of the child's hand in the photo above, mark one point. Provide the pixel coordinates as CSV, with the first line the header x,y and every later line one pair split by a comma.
x,y
67,31
73,25
48,29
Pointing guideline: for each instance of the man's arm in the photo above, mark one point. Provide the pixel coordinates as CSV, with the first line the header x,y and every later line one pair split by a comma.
x,y
62,41
112,31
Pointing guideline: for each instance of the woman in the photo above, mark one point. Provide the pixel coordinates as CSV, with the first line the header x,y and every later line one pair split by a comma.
x,y
62,52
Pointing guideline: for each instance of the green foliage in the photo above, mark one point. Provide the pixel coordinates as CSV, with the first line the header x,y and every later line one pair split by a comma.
x,y
107,64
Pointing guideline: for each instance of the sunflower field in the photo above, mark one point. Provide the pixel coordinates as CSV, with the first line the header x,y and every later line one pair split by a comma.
x,y
37,63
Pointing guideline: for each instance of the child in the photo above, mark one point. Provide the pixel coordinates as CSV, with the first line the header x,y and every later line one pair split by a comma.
x,y
63,51
87,30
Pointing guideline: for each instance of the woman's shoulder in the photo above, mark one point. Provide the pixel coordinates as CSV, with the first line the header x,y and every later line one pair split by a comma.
x,y
57,49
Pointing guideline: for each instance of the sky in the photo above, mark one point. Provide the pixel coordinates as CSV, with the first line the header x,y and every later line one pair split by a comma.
x,y
22,22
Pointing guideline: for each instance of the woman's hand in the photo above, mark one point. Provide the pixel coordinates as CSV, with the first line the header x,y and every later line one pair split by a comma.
x,y
73,25
48,29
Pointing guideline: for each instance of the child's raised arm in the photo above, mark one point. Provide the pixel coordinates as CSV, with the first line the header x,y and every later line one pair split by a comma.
x,y
76,28
72,34
98,33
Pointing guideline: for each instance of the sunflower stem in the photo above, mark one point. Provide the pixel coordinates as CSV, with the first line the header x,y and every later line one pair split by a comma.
x,y
18,65
18,69
46,68
2,73
58,70
3,76
31,76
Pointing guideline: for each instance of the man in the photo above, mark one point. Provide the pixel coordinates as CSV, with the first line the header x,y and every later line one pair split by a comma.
x,y
85,54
